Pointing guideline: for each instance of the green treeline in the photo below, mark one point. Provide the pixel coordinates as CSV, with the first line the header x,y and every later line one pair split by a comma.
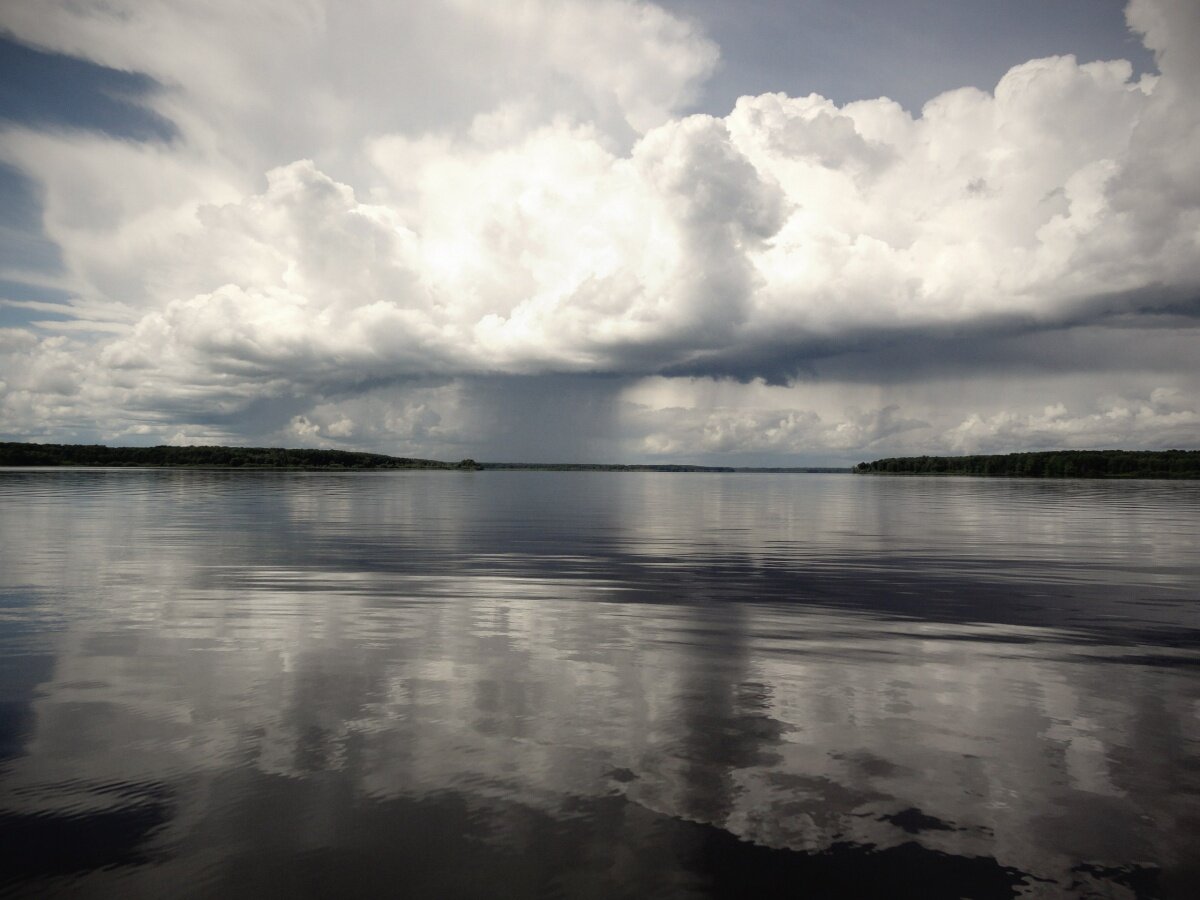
x,y
22,454
1048,464
19,454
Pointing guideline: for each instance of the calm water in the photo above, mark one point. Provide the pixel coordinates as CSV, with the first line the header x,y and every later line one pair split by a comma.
x,y
524,684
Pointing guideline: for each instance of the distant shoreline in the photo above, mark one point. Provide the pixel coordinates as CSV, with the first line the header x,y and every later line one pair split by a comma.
x,y
1155,464
31,455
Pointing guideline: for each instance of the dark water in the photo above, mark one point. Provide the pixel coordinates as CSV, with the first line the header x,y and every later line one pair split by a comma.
x,y
510,684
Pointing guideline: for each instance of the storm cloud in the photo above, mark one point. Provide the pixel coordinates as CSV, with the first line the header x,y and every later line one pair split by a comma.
x,y
443,227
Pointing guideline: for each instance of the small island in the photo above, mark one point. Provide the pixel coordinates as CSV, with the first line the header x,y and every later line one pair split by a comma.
x,y
1047,464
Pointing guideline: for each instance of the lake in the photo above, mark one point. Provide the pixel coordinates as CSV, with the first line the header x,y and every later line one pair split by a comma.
x,y
596,684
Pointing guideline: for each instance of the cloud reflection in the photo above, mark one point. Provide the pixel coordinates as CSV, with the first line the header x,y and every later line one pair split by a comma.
x,y
337,663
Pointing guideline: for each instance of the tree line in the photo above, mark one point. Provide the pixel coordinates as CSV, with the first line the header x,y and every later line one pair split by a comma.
x,y
1048,464
22,454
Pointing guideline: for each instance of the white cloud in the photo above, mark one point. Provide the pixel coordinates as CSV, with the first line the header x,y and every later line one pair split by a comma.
x,y
347,204
266,83
824,420
1162,419
425,417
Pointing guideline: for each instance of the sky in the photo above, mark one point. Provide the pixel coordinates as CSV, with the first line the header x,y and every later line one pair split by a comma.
x,y
765,233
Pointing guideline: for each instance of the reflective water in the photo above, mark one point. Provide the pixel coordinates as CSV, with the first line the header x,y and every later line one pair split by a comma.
x,y
526,684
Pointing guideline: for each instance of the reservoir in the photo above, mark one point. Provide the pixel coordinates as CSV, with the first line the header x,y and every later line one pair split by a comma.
x,y
597,684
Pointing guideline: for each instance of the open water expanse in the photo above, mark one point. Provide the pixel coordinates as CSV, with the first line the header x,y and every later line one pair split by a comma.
x,y
589,684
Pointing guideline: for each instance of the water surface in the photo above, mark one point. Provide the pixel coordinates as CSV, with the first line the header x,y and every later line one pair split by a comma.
x,y
589,684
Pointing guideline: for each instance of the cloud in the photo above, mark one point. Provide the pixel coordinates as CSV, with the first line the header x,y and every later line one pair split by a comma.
x,y
826,422
1163,418
782,432
280,80
344,205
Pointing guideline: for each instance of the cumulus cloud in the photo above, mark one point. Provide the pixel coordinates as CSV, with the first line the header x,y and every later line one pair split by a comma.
x,y
824,422
347,207
277,80
783,432
1163,418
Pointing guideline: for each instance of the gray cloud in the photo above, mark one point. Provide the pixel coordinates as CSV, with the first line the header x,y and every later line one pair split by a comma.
x,y
528,253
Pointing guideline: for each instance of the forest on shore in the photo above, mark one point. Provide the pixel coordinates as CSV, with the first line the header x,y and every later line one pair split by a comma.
x,y
99,455
1047,464
22,454
1043,464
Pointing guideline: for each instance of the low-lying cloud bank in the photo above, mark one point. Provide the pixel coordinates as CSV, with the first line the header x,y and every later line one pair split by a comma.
x,y
352,235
